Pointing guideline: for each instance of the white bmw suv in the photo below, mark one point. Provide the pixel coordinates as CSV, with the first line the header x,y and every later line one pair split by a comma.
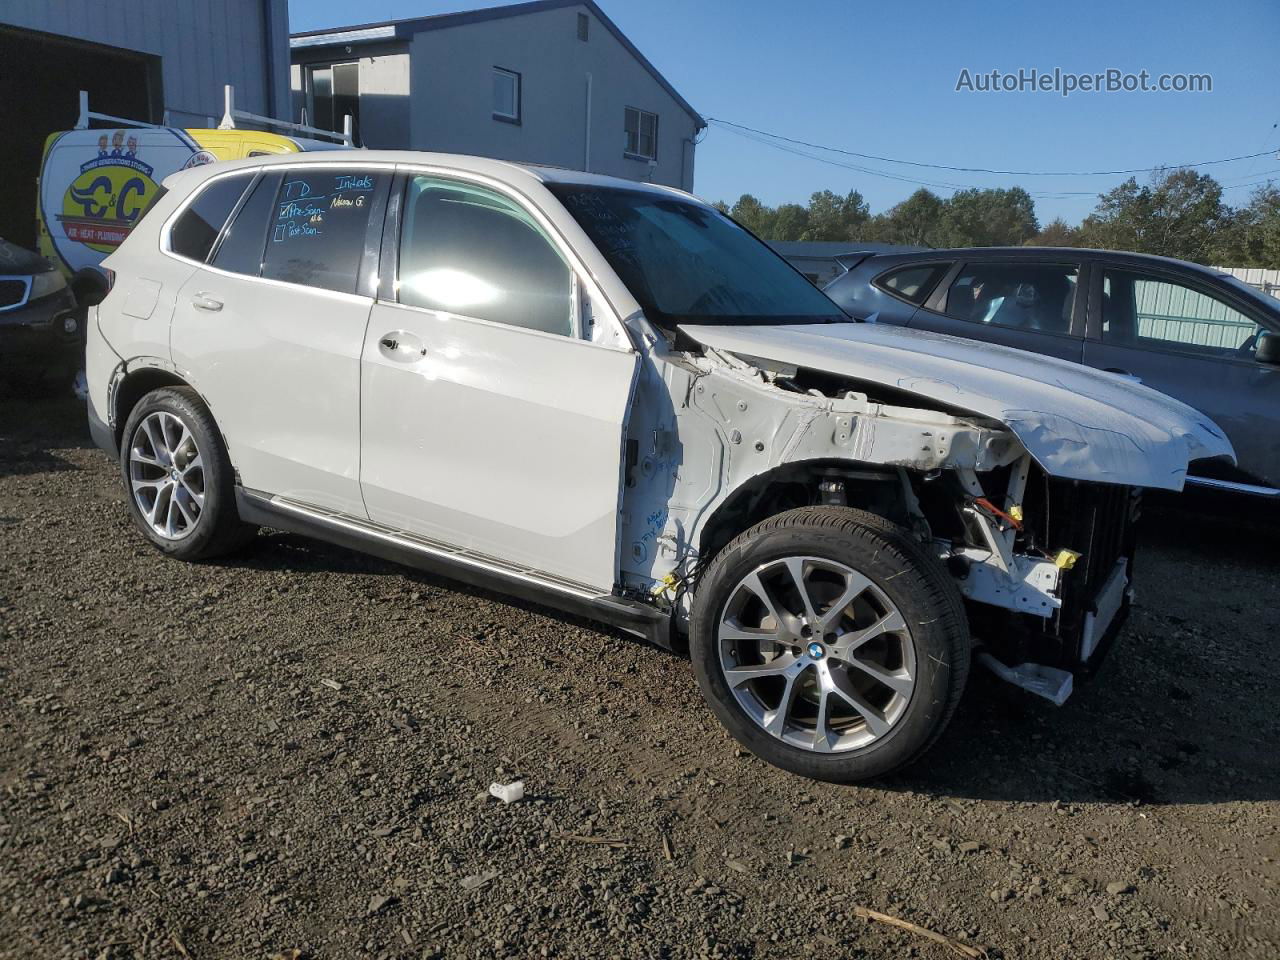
x,y
609,397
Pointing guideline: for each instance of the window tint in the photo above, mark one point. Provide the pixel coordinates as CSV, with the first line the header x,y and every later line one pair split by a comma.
x,y
194,233
470,251
1143,310
688,263
318,228
912,284
1025,296
240,250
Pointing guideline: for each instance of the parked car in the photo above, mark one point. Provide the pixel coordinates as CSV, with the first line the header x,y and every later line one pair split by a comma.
x,y
609,397
41,337
1190,331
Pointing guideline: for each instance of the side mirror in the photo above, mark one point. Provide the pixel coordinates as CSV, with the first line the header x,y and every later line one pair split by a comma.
x,y
1267,349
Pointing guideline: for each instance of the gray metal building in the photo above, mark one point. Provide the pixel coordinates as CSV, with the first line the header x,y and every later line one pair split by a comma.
x,y
137,59
553,81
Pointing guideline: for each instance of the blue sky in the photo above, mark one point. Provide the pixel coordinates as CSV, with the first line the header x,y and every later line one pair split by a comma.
x,y
880,78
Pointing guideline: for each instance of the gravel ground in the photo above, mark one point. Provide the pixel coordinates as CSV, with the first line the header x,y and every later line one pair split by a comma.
x,y
286,754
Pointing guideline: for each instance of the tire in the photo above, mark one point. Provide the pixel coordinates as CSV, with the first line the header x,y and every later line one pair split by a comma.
x,y
870,682
178,479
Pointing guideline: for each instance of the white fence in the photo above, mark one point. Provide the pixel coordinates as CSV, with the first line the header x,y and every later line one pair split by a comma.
x,y
1268,281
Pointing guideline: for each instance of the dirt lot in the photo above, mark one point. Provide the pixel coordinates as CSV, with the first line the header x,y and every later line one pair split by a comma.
x,y
289,751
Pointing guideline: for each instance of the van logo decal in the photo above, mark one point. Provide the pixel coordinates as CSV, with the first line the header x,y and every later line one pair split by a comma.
x,y
103,202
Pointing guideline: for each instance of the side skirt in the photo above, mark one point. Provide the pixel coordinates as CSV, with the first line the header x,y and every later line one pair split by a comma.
x,y
638,619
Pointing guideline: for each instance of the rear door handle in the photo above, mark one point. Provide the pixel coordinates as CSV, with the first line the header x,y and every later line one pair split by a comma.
x,y
401,346
202,301
1124,373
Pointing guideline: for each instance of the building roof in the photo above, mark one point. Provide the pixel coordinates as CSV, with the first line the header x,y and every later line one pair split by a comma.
x,y
403,29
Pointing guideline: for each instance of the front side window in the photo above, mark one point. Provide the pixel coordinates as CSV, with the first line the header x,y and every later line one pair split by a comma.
x,y
195,231
506,95
912,284
1145,310
1023,296
688,263
318,227
641,133
473,252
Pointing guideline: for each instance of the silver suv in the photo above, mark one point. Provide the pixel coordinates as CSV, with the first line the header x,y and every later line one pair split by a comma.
x,y
609,397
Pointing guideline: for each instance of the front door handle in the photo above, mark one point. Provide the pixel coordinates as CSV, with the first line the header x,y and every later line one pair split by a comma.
x,y
202,301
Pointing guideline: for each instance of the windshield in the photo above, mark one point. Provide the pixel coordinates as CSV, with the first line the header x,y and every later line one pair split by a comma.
x,y
687,263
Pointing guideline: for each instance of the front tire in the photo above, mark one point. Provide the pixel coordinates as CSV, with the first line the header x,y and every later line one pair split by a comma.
x,y
178,479
830,643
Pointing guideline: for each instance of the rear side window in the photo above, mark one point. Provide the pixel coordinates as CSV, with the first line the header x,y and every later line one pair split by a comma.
x,y
318,228
912,284
240,249
1025,296
196,230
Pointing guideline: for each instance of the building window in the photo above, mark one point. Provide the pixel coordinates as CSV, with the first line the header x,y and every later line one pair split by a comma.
x,y
333,92
642,134
584,25
506,95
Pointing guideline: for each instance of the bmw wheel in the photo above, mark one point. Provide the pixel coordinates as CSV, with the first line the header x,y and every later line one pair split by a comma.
x,y
830,643
178,478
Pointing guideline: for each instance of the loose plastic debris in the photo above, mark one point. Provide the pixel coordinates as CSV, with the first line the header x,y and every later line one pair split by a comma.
x,y
507,792
1049,682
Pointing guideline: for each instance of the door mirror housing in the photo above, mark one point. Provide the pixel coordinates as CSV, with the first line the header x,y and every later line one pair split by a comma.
x,y
1267,349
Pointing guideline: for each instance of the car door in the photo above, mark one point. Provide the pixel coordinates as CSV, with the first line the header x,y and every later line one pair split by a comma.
x,y
270,326
489,423
1194,341
1029,304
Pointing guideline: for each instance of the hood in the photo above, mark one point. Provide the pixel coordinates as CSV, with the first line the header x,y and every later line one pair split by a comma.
x,y
1078,423
18,261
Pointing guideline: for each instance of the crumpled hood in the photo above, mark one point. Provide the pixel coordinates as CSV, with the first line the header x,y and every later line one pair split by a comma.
x,y
1077,422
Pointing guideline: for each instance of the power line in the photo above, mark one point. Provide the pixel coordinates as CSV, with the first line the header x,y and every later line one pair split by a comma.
x,y
1008,173
943,185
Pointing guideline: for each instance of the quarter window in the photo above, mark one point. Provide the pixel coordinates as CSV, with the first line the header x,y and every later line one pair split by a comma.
x,y
318,228
506,95
1024,296
1143,310
641,133
196,230
912,284
240,249
470,251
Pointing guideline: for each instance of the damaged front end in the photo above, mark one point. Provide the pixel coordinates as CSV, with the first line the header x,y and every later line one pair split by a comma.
x,y
1032,515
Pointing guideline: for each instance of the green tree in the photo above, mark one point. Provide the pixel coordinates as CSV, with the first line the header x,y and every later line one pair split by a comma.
x,y
916,221
1178,214
1057,233
790,222
989,218
1250,235
833,217
753,215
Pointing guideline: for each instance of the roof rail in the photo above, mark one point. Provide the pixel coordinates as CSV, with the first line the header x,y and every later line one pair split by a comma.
x,y
82,123
230,115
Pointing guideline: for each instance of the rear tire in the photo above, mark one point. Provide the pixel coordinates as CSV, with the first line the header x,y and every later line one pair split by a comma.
x,y
830,643
178,479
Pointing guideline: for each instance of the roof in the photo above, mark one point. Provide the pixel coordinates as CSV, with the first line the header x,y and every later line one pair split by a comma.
x,y
403,29
507,171
1051,253
834,249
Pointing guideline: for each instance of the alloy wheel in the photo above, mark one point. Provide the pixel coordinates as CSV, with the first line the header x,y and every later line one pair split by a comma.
x,y
166,473
816,654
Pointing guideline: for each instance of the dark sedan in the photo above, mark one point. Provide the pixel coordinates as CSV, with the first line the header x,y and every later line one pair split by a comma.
x,y
1192,332
41,330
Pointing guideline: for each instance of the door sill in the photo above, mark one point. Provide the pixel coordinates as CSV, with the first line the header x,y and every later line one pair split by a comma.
x,y
365,536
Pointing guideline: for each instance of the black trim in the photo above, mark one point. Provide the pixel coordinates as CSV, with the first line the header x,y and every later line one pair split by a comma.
x,y
648,623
